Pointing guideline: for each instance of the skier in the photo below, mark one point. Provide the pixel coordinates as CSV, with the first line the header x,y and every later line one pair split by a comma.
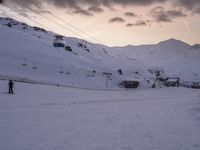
x,y
10,84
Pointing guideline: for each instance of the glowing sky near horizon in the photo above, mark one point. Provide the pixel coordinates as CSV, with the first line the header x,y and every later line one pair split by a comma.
x,y
114,22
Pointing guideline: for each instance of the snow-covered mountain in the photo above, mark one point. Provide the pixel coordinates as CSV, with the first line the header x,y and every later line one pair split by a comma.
x,y
175,57
29,53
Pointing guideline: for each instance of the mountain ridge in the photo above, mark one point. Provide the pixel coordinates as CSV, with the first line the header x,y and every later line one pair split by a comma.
x,y
35,47
31,53
177,58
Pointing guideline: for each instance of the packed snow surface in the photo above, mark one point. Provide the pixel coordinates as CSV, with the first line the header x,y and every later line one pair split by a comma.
x,y
40,117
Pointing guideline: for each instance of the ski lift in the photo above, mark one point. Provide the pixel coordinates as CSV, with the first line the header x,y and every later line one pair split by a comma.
x,y
91,73
58,42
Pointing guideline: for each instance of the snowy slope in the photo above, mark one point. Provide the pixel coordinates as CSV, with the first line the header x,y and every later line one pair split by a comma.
x,y
55,118
28,52
175,57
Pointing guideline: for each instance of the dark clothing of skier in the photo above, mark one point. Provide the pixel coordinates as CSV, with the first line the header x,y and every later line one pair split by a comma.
x,y
10,84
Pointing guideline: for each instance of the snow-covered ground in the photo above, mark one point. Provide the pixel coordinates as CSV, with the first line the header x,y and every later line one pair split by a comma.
x,y
39,117
46,117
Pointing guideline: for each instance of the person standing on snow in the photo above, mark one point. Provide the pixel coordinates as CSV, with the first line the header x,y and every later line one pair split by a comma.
x,y
10,84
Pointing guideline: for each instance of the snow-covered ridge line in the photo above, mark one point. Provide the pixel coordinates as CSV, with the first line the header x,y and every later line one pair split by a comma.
x,y
175,57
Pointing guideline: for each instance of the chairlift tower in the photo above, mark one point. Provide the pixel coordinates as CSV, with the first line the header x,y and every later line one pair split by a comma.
x,y
157,75
108,76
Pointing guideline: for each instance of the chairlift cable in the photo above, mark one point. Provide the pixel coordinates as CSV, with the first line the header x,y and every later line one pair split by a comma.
x,y
26,17
51,20
79,30
8,15
34,2
59,25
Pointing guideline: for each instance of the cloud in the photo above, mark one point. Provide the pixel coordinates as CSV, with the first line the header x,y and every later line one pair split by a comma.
x,y
24,14
92,5
116,19
191,5
107,3
95,9
130,14
197,10
82,12
95,6
44,12
161,15
130,2
176,13
137,23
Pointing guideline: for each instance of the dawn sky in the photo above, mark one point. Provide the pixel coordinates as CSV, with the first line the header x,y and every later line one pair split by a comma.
x,y
112,22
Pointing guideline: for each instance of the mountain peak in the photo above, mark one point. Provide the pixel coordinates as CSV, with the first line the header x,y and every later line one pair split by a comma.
x,y
173,43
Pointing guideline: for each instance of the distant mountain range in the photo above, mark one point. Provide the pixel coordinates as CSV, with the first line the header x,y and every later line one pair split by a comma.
x,y
174,56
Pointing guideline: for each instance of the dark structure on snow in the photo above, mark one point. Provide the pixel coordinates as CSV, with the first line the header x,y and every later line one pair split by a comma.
x,y
172,81
158,76
59,42
120,71
194,85
129,84
108,77
68,48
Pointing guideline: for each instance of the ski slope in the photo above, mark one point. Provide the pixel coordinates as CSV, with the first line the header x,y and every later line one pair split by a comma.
x,y
39,117
28,52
